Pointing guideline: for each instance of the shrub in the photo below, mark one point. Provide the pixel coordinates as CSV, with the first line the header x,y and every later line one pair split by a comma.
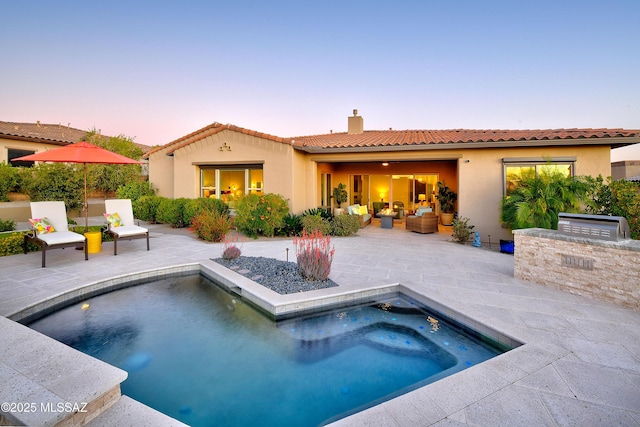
x,y
291,225
7,225
210,226
230,250
311,223
461,230
134,190
146,208
8,180
195,206
314,255
260,214
12,244
171,211
57,181
344,225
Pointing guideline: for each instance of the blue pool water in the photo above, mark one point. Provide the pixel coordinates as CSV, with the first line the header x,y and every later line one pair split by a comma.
x,y
203,356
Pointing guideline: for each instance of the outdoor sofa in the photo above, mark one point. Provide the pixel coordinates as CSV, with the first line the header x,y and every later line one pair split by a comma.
x,y
362,212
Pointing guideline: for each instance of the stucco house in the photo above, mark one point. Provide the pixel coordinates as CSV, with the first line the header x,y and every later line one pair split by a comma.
x,y
399,167
22,139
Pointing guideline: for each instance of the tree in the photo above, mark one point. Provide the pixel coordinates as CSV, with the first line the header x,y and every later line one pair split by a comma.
x,y
110,177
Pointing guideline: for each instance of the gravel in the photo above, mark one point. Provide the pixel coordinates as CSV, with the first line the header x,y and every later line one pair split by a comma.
x,y
279,276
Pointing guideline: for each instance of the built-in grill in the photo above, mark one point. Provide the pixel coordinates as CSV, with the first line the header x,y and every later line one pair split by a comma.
x,y
601,227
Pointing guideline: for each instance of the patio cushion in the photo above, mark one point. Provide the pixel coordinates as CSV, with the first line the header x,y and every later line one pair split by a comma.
x,y
128,230
61,237
42,225
363,210
423,210
113,219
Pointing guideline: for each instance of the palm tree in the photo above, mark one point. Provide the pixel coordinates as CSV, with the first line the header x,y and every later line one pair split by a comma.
x,y
537,201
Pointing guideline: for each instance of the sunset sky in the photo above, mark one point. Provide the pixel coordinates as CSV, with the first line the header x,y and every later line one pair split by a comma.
x,y
158,70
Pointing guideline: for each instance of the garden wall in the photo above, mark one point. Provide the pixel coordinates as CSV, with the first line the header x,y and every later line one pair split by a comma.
x,y
603,270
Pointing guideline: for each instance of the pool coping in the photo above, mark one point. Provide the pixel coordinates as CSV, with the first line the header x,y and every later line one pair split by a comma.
x,y
279,305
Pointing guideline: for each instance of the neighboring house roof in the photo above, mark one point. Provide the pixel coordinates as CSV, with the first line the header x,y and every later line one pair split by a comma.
x,y
422,139
46,133
39,132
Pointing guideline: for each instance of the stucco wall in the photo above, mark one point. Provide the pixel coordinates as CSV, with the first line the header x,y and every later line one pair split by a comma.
x,y
237,149
37,147
603,270
161,173
481,180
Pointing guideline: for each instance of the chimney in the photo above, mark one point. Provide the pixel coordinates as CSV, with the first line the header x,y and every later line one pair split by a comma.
x,y
356,124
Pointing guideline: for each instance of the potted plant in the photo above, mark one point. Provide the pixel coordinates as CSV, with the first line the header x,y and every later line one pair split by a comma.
x,y
447,199
340,196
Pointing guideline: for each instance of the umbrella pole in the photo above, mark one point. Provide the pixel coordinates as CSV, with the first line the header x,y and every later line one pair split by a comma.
x,y
86,202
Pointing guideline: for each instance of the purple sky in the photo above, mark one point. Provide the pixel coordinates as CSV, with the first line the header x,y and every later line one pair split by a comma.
x,y
158,70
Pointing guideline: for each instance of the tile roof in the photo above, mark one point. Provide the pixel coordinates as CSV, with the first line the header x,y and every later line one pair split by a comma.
x,y
397,138
209,130
39,132
420,139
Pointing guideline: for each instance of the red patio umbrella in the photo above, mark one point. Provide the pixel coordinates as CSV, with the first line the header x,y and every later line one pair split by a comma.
x,y
81,152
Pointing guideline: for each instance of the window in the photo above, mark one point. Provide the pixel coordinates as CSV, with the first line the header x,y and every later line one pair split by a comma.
x,y
15,153
517,170
228,183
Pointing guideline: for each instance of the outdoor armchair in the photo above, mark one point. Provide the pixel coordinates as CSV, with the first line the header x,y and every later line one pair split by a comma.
x,y
120,223
50,229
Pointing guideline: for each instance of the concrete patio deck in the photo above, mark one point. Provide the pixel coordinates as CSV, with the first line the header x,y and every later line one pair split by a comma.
x,y
579,365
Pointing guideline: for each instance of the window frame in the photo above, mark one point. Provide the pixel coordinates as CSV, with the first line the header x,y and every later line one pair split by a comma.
x,y
535,162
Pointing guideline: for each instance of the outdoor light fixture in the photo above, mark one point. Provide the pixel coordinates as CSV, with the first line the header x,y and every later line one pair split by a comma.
x,y
385,163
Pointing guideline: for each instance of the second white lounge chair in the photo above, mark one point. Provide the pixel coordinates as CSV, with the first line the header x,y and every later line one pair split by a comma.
x,y
121,224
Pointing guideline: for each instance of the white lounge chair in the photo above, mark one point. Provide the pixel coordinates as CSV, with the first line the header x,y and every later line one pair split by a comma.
x,y
128,230
55,234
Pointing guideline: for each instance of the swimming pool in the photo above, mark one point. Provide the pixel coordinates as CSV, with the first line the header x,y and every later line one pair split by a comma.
x,y
202,355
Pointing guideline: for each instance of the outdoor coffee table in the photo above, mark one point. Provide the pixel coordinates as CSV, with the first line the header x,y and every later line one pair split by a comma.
x,y
386,220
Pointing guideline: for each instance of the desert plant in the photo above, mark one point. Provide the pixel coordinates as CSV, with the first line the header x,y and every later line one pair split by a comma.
x,y
461,230
260,214
291,225
311,223
8,180
345,225
230,249
340,194
210,226
321,212
314,255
